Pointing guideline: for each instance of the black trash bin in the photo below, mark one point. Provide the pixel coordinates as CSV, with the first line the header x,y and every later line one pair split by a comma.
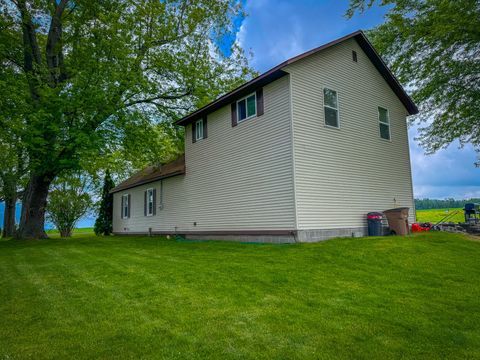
x,y
375,224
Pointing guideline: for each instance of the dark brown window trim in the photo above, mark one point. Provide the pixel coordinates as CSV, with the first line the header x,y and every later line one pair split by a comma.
x,y
205,127
233,109
260,106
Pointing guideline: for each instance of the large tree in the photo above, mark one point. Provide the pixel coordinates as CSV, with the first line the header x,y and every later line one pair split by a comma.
x,y
13,159
12,169
93,68
433,46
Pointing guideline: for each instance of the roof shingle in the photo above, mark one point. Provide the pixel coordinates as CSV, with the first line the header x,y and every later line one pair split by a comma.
x,y
153,173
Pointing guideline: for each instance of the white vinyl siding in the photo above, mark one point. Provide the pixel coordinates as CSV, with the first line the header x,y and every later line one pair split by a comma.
x,y
342,175
384,123
241,179
171,207
199,129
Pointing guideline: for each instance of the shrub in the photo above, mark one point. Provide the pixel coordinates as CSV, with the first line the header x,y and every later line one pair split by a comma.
x,y
67,203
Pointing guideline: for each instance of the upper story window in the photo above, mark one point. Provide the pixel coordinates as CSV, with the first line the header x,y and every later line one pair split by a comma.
x,y
150,202
384,123
330,106
125,206
199,129
247,107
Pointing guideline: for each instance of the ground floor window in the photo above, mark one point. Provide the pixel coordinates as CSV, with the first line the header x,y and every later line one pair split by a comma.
x,y
125,206
150,202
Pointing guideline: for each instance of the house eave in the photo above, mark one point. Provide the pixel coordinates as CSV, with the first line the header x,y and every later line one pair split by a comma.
x,y
118,189
245,89
278,72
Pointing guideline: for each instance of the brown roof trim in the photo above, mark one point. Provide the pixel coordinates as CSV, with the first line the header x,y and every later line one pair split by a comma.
x,y
245,89
387,74
277,72
153,173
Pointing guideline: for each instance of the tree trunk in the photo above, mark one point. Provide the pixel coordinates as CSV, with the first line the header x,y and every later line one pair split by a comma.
x,y
9,217
32,221
64,233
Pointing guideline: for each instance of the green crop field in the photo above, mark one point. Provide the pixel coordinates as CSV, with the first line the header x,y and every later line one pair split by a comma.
x,y
78,231
435,215
413,297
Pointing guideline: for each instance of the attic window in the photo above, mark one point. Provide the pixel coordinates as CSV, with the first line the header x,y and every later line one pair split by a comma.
x,y
354,55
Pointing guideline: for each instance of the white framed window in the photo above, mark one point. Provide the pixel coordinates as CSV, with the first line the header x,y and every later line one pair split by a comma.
x,y
125,206
247,107
150,202
384,123
199,129
330,108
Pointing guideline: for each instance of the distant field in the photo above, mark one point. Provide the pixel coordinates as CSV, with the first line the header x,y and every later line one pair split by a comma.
x,y
78,231
435,215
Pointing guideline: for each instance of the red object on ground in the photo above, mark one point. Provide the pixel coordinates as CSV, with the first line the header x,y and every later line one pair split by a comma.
x,y
418,227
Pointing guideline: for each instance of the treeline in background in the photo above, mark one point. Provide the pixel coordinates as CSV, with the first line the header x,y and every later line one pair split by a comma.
x,y
421,204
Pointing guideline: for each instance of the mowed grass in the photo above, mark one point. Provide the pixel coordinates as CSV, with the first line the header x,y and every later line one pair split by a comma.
x,y
435,215
411,297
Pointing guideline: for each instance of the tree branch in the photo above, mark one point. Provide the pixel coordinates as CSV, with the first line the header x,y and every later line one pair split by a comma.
x,y
31,51
54,47
160,97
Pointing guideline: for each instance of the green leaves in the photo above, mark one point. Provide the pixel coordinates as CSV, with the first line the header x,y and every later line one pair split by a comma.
x,y
119,68
103,223
433,46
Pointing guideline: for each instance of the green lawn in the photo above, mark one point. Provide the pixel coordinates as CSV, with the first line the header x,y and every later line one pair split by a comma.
x,y
141,298
435,215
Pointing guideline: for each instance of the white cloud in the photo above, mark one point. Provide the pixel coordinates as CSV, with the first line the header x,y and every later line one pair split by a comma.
x,y
448,173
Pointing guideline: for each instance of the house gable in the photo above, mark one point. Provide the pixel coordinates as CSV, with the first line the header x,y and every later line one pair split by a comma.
x,y
278,72
343,173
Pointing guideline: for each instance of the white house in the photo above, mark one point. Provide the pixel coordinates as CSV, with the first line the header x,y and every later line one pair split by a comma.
x,y
300,153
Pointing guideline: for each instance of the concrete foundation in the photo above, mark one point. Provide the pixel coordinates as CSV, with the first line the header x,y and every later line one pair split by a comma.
x,y
272,239
315,235
281,237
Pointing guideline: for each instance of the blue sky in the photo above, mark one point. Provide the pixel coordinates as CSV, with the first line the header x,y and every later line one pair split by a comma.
x,y
276,30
